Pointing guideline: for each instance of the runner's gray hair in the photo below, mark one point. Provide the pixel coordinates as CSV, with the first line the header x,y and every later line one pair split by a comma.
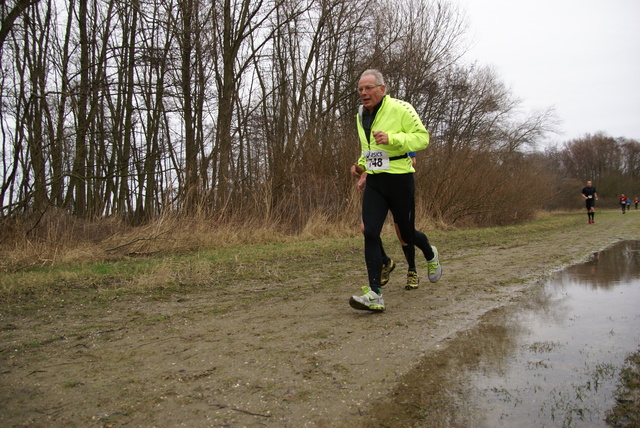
x,y
376,73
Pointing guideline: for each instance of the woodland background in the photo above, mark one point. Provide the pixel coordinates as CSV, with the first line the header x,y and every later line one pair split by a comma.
x,y
241,110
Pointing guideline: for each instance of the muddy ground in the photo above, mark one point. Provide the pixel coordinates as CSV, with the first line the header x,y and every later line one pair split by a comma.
x,y
249,356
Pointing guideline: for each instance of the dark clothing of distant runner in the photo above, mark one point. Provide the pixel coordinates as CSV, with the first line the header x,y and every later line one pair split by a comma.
x,y
589,192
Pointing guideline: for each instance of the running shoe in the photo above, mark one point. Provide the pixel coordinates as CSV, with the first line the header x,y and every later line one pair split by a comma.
x,y
369,301
387,268
412,280
433,266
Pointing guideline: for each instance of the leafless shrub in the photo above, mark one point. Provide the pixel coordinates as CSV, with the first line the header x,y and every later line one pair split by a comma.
x,y
471,188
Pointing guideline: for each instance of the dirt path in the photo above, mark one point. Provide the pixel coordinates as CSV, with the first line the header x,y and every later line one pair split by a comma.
x,y
247,357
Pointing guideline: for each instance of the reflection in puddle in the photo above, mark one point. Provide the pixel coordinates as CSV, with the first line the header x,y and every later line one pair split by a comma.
x,y
552,361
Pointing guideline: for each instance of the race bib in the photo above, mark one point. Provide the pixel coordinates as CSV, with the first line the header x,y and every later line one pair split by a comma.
x,y
377,160
590,196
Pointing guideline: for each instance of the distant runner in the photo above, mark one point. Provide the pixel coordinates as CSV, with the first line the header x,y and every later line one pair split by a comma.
x,y
590,196
623,203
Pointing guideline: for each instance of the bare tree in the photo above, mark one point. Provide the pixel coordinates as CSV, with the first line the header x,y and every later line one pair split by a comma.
x,y
37,39
9,16
611,163
237,39
592,157
233,106
306,116
78,173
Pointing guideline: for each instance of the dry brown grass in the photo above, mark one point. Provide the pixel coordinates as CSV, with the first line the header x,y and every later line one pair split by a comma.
x,y
58,238
176,254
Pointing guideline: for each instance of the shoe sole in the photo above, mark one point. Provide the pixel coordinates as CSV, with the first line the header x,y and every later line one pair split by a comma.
x,y
360,306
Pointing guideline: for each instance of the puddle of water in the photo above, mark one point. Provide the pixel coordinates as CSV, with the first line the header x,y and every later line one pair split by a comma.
x,y
551,361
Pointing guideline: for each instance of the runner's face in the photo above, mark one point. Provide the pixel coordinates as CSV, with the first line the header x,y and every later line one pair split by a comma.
x,y
370,92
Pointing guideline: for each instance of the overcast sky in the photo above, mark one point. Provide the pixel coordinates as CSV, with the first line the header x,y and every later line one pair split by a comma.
x,y
581,57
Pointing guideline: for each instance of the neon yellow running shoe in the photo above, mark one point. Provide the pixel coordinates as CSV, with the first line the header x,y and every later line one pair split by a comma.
x,y
433,266
412,280
369,301
386,272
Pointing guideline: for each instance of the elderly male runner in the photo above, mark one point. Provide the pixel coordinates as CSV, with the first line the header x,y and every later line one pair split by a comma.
x,y
388,129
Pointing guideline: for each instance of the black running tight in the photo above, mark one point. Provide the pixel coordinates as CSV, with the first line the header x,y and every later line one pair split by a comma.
x,y
384,193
